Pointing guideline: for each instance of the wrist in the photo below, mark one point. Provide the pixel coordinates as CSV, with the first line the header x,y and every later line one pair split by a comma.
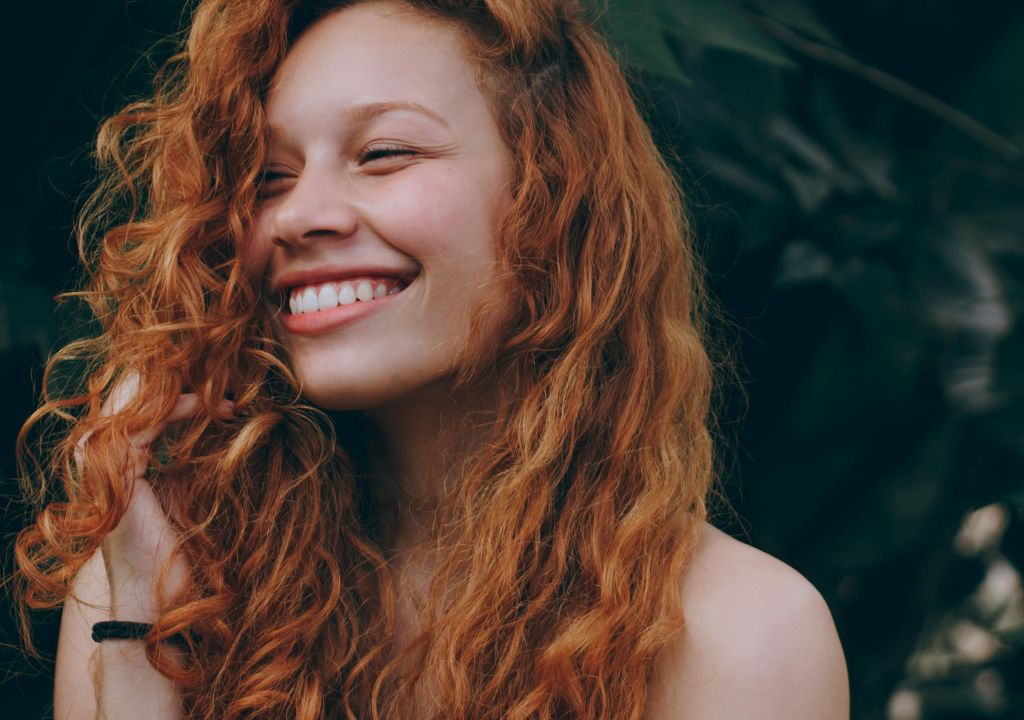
x,y
134,600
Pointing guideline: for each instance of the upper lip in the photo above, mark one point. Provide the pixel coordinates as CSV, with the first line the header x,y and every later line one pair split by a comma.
x,y
326,273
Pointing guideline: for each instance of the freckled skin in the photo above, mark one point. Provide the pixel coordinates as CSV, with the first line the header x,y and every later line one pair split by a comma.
x,y
434,210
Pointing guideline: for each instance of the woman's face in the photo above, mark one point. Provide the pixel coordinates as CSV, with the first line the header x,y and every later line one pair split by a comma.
x,y
376,224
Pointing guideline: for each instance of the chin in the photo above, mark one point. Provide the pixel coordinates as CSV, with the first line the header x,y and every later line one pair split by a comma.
x,y
351,393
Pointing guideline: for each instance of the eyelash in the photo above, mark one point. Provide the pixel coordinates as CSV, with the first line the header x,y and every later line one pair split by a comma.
x,y
369,155
375,153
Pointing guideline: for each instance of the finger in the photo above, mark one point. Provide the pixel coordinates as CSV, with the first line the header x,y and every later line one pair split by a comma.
x,y
79,453
225,409
123,392
186,406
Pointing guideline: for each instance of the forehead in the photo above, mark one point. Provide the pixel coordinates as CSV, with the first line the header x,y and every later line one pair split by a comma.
x,y
373,52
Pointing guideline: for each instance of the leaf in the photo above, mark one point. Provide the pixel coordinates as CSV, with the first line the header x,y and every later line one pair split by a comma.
x,y
809,189
958,286
872,164
824,173
717,24
802,262
798,15
637,31
990,88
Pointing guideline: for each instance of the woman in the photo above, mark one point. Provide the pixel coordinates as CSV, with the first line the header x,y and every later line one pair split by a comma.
x,y
404,300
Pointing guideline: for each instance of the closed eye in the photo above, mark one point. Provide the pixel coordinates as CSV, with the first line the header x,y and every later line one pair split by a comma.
x,y
382,151
268,180
270,176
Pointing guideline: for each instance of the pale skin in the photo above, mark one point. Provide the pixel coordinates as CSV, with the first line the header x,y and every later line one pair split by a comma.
x,y
760,643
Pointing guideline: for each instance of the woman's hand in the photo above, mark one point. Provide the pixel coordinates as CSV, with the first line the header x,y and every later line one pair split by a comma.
x,y
144,540
127,685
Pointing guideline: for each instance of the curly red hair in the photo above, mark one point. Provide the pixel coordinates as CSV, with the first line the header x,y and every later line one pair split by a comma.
x,y
572,527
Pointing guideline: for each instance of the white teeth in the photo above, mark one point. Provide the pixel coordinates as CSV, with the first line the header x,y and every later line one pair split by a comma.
x,y
347,296
328,298
364,290
330,295
310,300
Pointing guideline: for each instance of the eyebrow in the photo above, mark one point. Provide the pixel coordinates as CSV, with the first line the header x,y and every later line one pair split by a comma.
x,y
368,111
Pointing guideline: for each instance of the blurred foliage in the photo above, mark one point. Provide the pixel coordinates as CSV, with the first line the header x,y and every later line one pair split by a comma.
x,y
855,174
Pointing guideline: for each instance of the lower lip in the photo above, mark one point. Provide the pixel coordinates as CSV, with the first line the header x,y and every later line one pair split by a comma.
x,y
321,321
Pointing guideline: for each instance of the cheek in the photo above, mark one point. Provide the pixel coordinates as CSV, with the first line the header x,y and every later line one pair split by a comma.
x,y
435,211
254,254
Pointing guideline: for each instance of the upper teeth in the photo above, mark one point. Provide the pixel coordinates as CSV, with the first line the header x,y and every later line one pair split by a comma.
x,y
310,298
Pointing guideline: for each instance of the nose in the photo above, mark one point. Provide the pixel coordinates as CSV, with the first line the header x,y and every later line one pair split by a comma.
x,y
317,206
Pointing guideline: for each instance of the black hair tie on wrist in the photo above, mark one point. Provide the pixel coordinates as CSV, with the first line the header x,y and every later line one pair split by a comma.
x,y
119,630
126,630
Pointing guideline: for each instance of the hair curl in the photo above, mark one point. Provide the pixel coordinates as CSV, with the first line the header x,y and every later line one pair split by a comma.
x,y
571,529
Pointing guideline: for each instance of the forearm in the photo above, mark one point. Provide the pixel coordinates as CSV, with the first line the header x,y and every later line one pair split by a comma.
x,y
120,576
129,686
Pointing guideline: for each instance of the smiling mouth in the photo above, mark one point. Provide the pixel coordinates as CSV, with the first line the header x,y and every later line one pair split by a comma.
x,y
320,297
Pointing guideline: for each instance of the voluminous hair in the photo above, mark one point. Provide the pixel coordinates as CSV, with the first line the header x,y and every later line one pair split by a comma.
x,y
567,537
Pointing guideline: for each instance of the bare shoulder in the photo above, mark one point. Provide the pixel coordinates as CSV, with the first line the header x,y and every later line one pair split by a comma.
x,y
760,643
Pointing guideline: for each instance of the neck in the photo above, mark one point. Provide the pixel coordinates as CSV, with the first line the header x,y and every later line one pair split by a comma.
x,y
418,446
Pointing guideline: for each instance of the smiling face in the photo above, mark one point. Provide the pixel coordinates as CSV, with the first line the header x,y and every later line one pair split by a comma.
x,y
384,185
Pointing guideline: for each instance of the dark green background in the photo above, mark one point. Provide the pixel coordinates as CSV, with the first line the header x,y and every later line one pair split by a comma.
x,y
856,175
